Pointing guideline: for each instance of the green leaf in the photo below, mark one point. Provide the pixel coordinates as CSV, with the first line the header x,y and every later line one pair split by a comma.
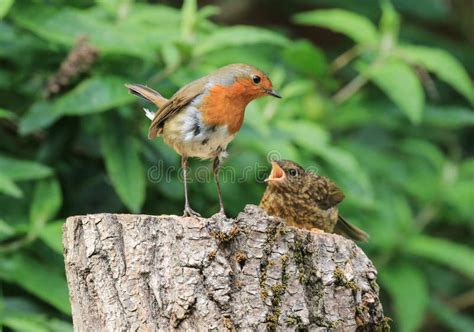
x,y
443,64
7,186
32,322
19,170
5,230
5,6
111,6
456,256
38,116
123,164
93,95
47,200
419,148
207,11
238,36
306,58
448,116
32,276
171,56
298,88
270,147
401,85
5,114
467,168
14,304
451,317
356,27
458,195
409,291
400,214
24,322
64,25
188,18
389,22
397,221
54,23
51,234
147,16
15,212
306,134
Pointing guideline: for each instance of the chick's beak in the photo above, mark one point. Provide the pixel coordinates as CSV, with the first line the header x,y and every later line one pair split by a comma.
x,y
273,93
277,173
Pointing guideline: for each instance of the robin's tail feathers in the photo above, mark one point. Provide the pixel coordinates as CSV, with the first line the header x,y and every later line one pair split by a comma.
x,y
146,93
350,231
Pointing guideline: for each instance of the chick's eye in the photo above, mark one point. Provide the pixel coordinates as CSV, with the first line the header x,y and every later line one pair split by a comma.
x,y
256,79
293,172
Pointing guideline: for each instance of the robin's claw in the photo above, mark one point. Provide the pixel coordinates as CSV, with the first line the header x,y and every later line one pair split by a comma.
x,y
188,212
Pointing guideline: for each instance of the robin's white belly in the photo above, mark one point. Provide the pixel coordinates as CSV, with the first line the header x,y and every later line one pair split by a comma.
x,y
190,137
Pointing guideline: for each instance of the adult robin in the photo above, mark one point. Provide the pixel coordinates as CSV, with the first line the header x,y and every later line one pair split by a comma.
x,y
203,117
306,200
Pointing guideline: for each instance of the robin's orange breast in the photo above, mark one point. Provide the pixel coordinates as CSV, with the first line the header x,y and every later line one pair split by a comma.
x,y
225,105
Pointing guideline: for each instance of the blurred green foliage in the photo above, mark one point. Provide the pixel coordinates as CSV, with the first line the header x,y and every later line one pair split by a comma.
x,y
384,109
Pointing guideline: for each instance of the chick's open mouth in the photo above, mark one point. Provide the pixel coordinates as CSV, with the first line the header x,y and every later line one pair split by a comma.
x,y
277,173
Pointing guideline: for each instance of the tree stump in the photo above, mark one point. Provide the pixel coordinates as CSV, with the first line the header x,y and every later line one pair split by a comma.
x,y
157,273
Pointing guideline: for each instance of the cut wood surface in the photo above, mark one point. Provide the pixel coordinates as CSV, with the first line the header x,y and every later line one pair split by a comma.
x,y
161,273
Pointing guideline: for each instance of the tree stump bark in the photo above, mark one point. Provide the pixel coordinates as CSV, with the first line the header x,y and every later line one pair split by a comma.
x,y
157,273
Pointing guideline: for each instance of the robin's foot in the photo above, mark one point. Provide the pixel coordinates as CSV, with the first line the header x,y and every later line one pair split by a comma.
x,y
188,212
317,231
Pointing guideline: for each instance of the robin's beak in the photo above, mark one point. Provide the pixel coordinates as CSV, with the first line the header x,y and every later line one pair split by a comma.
x,y
273,93
277,173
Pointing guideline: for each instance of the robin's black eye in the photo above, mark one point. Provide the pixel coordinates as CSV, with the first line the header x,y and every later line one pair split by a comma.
x,y
256,79
293,172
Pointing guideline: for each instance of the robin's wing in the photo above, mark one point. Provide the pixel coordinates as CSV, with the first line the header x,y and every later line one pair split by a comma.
x,y
176,103
325,192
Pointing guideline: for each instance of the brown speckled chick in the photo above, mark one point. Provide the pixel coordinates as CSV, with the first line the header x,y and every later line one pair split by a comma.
x,y
306,200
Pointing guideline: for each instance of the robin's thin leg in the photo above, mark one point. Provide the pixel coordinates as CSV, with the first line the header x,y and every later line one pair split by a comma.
x,y
188,212
215,169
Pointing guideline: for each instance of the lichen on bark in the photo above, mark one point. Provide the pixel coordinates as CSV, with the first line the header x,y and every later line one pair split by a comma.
x,y
150,273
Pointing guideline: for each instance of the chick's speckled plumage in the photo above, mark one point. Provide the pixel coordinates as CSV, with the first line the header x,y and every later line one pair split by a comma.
x,y
306,200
